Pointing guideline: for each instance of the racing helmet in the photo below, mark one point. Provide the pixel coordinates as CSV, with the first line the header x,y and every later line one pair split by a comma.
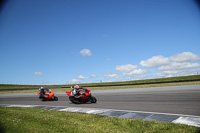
x,y
41,88
76,87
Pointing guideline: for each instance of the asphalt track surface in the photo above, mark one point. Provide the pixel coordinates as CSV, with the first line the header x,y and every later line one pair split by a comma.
x,y
175,100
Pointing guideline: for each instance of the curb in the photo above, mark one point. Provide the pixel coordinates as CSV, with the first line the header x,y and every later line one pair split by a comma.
x,y
147,116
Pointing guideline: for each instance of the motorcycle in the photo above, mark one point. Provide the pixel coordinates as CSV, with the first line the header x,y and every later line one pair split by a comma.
x,y
83,96
47,95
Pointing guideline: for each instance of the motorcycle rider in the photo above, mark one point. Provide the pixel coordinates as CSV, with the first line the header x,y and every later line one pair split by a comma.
x,y
76,90
41,91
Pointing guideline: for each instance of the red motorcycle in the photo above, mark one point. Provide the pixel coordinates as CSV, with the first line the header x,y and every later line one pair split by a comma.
x,y
82,96
47,95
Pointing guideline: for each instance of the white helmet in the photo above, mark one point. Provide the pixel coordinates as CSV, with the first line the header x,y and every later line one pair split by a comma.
x,y
41,88
76,87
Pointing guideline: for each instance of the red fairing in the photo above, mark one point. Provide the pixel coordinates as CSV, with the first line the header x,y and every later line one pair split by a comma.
x,y
86,93
68,93
50,93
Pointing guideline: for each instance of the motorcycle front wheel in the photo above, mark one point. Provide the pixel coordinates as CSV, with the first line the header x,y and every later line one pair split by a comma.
x,y
93,99
55,98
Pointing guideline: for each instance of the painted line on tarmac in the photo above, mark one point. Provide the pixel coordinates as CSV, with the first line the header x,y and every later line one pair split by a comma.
x,y
147,116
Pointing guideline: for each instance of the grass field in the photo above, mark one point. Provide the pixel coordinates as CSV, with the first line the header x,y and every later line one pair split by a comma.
x,y
35,120
182,78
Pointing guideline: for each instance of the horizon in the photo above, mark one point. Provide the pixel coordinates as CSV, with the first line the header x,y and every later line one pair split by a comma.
x,y
99,82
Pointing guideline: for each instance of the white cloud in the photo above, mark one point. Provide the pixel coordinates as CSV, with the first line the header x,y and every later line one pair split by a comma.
x,y
93,76
122,79
73,81
38,73
85,52
174,73
108,80
185,56
188,72
163,75
155,61
82,77
136,72
176,65
45,82
126,68
140,77
171,72
112,75
179,65
159,75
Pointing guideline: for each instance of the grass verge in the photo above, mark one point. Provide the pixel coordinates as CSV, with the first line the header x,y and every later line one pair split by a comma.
x,y
172,81
110,87
14,119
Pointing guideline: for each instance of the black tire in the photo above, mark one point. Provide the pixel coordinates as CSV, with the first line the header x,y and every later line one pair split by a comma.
x,y
43,99
73,100
93,99
55,98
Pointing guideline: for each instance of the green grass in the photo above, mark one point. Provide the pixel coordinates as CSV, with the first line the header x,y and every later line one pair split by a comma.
x,y
181,78
7,86
14,119
110,87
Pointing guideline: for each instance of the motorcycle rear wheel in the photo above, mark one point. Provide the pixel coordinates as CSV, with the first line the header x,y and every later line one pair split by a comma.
x,y
43,99
73,100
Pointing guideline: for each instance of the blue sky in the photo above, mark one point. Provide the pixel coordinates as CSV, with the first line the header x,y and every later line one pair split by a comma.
x,y
81,41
